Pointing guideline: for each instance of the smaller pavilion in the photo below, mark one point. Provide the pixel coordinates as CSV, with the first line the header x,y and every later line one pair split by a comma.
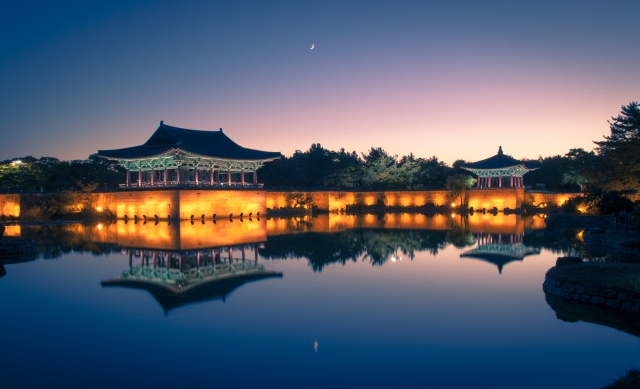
x,y
499,171
179,157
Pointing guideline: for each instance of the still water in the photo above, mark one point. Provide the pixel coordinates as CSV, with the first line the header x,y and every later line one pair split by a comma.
x,y
333,301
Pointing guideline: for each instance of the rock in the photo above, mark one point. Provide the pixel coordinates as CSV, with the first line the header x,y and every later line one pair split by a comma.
x,y
576,296
627,306
609,293
598,300
585,298
561,261
580,289
592,291
613,303
624,296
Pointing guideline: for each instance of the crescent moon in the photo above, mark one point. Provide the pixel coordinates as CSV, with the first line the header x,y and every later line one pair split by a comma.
x,y
312,46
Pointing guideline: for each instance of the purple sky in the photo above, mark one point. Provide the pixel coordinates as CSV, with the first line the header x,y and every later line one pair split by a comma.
x,y
455,80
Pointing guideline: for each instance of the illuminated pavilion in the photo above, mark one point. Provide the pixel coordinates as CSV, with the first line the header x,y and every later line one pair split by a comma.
x,y
499,171
176,157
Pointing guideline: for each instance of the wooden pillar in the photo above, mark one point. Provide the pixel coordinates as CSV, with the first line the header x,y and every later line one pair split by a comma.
x,y
128,174
178,175
195,173
242,176
211,176
165,176
153,176
198,260
500,181
229,177
243,254
230,255
479,179
139,177
130,258
255,177
255,253
489,182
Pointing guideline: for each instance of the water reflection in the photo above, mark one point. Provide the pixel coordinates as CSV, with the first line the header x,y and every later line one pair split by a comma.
x,y
322,239
175,279
573,311
377,238
500,250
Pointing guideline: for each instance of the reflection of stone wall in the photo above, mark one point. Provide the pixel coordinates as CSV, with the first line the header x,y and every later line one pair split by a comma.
x,y
186,236
485,223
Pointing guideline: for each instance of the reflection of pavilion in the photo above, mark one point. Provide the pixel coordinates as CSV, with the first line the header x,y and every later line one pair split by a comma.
x,y
179,278
500,249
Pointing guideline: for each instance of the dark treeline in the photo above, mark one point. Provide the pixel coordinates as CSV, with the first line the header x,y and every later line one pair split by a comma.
x,y
320,167
48,174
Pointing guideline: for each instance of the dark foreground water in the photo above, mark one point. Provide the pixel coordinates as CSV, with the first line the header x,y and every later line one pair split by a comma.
x,y
367,301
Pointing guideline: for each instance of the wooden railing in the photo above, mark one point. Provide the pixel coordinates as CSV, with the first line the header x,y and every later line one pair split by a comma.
x,y
624,224
191,184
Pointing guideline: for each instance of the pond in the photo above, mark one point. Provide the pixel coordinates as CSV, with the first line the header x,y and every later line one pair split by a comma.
x,y
394,300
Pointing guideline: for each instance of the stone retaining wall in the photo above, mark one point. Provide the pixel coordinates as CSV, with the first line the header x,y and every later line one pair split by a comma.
x,y
613,298
13,247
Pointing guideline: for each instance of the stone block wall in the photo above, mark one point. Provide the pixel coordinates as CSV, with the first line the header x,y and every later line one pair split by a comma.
x,y
181,204
500,198
612,298
10,204
550,199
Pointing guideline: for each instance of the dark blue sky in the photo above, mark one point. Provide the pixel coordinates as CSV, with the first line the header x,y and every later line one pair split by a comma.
x,y
454,79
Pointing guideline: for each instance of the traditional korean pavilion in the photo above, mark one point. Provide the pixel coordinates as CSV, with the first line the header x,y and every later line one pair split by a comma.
x,y
499,171
178,157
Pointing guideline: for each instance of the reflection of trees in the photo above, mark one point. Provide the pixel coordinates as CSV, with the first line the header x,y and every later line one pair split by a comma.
x,y
375,245
557,241
54,241
461,238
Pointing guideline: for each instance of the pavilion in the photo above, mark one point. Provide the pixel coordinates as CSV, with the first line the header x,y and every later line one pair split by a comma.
x,y
499,171
177,158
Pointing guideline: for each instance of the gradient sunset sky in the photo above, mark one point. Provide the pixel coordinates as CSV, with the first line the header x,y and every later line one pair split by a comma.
x,y
453,79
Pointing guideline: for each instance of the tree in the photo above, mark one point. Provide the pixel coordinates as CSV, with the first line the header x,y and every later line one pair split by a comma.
x,y
620,152
408,170
379,168
458,186
21,174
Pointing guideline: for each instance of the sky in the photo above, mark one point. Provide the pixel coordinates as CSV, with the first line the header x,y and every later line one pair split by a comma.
x,y
452,79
